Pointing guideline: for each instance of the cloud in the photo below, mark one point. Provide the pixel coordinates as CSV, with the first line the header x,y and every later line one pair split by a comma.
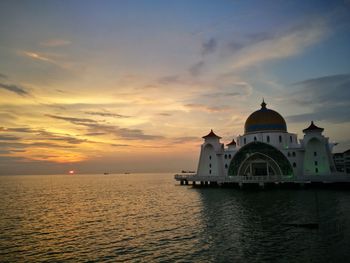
x,y
106,114
223,94
3,76
37,56
22,145
169,79
288,43
55,43
328,96
236,89
165,114
71,119
43,135
8,138
334,88
124,133
14,88
248,40
119,145
21,129
95,133
202,107
185,139
209,46
95,127
197,68
333,114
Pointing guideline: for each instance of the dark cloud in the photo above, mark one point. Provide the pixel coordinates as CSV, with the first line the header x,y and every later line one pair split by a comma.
x,y
3,76
107,114
248,40
169,79
258,37
95,133
119,145
209,46
14,88
42,134
125,133
165,114
95,127
197,68
335,88
333,114
235,46
22,145
71,119
24,130
8,138
329,97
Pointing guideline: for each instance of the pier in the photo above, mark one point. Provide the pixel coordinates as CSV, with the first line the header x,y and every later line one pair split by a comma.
x,y
262,181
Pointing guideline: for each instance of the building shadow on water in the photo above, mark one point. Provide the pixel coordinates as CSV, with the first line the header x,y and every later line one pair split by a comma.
x,y
251,226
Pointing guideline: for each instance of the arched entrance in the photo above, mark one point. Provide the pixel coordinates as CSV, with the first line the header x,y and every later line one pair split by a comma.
x,y
259,165
259,159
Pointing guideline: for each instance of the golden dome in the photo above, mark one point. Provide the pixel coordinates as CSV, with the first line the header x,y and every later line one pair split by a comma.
x,y
265,120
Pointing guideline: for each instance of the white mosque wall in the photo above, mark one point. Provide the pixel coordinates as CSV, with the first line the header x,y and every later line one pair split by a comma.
x,y
277,139
210,160
317,158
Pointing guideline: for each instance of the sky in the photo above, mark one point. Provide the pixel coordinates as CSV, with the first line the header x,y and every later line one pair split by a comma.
x,y
132,86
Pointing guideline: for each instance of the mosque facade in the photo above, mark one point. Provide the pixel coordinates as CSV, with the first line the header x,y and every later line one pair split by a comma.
x,y
268,150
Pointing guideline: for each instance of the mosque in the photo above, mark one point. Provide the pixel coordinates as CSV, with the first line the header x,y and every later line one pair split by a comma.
x,y
267,152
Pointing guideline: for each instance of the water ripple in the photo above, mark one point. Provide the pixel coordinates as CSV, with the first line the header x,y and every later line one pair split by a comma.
x,y
148,218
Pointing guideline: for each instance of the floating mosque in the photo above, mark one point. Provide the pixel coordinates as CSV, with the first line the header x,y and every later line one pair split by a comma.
x,y
266,154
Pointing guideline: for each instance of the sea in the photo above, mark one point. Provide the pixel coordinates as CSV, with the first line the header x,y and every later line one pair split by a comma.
x,y
151,218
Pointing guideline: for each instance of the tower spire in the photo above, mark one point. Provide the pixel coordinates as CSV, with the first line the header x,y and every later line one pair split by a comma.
x,y
263,104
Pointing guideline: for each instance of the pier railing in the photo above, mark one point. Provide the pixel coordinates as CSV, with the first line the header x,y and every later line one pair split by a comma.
x,y
263,179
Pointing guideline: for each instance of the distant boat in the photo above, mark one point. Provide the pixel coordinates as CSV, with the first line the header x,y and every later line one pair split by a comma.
x,y
105,173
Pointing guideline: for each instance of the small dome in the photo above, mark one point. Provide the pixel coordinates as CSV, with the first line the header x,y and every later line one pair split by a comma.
x,y
265,120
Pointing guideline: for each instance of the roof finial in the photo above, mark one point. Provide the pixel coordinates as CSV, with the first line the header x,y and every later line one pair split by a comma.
x,y
263,104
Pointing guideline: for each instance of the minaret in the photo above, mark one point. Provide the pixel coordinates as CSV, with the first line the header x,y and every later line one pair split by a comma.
x,y
210,160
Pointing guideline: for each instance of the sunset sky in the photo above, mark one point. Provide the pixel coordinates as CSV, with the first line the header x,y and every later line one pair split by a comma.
x,y
120,86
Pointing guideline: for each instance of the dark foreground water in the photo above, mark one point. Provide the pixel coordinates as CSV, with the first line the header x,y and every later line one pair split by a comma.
x,y
149,218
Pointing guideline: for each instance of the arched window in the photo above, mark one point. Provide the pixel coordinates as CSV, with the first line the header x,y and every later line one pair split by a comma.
x,y
229,156
316,170
209,171
226,166
268,138
280,138
291,139
225,156
254,139
209,157
288,154
316,163
293,154
294,165
210,165
245,140
315,153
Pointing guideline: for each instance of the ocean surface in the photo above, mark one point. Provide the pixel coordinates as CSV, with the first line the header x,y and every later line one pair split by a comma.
x,y
151,218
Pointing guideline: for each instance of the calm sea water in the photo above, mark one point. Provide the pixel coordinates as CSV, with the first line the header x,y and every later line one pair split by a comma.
x,y
150,218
